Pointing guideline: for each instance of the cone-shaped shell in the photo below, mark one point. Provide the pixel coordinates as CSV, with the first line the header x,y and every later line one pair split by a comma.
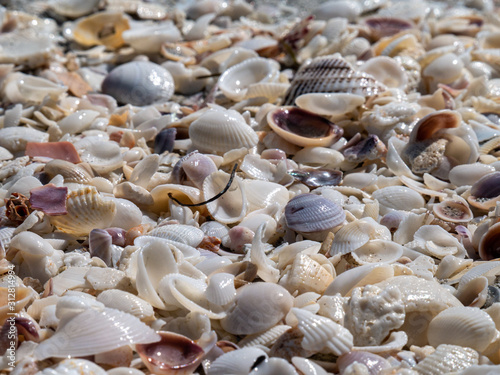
x,y
303,128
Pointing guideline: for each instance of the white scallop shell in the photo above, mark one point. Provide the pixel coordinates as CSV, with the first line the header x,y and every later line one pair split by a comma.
x,y
378,251
221,290
357,233
186,234
127,302
322,333
103,156
235,81
230,207
220,130
87,210
435,241
446,359
463,326
109,329
386,70
398,198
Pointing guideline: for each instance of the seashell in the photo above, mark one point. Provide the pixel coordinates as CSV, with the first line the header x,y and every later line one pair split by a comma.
x,y
128,303
110,329
257,307
26,47
423,299
24,185
359,276
69,171
49,199
489,248
55,150
221,290
372,313
306,275
266,338
94,29
232,206
484,193
220,61
437,242
337,8
311,213
357,233
139,83
329,104
330,74
77,122
447,358
67,366
308,367
134,193
103,156
219,130
381,27
303,128
369,148
317,177
398,198
474,293
269,90
235,81
237,362
86,211
72,8
16,138
275,365
452,210
185,194
373,362
172,354
450,265
321,333
100,245
319,157
386,71
195,167
173,233
105,278
127,216
377,251
148,38
22,297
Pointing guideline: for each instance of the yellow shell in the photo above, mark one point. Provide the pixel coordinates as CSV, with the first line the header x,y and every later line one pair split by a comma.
x,y
103,28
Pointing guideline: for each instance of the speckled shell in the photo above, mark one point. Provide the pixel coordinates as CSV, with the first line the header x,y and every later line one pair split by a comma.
x,y
312,213
139,83
331,74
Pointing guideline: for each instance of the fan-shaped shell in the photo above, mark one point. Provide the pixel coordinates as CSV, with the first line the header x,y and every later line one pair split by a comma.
x,y
303,128
86,210
236,80
331,74
312,213
186,234
398,198
221,290
446,359
127,302
220,131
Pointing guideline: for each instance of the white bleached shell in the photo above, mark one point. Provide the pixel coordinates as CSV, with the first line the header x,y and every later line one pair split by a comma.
x,y
103,156
357,233
75,366
87,210
237,362
14,139
221,290
435,241
322,333
378,251
372,313
266,338
398,198
330,74
148,38
468,174
308,367
186,234
446,359
127,302
220,131
178,290
139,83
463,326
26,47
235,81
319,157
110,329
128,215
220,61
359,276
72,8
257,307
306,275
230,207
77,122
23,88
329,104
386,70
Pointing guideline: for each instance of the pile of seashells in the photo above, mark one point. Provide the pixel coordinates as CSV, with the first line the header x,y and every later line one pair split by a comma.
x,y
229,187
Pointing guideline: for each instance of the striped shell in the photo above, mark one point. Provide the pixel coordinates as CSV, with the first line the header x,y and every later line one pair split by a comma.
x,y
312,213
446,359
331,74
86,211
219,131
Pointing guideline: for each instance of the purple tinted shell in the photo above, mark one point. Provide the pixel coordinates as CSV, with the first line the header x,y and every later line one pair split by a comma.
x,y
312,213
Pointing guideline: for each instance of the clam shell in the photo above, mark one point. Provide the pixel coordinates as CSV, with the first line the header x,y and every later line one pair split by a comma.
x,y
330,74
446,359
220,131
312,213
221,290
72,8
139,83
329,104
386,71
485,192
15,139
306,275
398,198
236,80
103,156
86,210
91,30
455,211
110,329
240,361
76,173
303,128
378,251
127,302
322,333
